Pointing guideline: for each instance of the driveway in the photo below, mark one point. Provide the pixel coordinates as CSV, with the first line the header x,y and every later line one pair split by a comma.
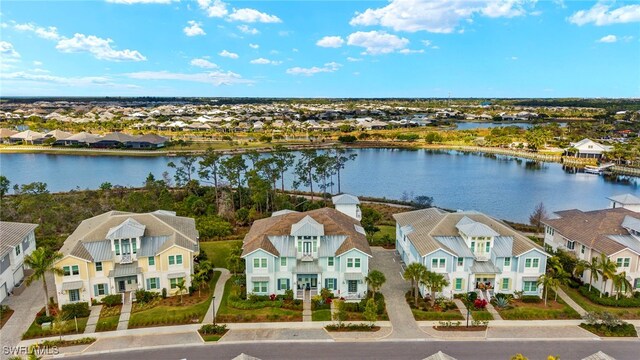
x,y
404,325
25,307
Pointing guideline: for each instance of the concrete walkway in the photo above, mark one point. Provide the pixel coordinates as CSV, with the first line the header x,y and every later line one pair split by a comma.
x,y
394,289
563,295
93,319
462,308
125,313
218,292
306,306
493,312
25,307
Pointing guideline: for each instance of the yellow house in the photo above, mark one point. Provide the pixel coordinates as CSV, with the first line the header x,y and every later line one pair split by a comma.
x,y
120,252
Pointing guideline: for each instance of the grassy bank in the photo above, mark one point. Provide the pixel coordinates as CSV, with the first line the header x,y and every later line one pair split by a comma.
x,y
218,251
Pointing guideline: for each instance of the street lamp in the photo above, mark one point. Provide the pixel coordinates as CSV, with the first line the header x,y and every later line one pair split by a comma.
x,y
213,301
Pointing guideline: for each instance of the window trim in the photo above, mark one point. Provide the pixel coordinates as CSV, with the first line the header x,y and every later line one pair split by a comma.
x,y
458,286
98,264
331,261
460,261
507,262
283,261
151,260
75,270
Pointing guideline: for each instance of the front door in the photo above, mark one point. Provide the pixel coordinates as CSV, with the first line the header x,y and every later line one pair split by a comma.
x,y
352,286
307,282
121,286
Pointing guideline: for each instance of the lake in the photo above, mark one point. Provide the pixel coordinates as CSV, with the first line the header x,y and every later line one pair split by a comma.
x,y
501,186
490,125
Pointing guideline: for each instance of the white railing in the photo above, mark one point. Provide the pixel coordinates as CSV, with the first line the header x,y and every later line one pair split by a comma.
x,y
482,257
126,259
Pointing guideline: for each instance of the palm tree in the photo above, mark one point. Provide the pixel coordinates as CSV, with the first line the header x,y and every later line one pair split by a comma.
x,y
414,272
546,280
198,279
375,279
560,278
42,261
435,282
607,270
180,288
621,283
593,267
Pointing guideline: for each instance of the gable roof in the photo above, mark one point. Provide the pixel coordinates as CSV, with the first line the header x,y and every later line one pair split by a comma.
x,y
625,199
431,225
333,221
178,230
12,234
345,199
593,228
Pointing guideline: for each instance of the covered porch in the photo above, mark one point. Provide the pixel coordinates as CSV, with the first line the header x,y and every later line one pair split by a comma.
x,y
126,277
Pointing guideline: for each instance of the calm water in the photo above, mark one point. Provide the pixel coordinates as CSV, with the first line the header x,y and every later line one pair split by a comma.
x,y
504,187
485,125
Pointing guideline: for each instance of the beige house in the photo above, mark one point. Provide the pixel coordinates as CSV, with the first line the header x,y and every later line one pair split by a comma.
x,y
614,232
120,252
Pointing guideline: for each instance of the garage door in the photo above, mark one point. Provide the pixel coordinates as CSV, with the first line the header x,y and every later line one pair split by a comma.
x,y
18,275
3,292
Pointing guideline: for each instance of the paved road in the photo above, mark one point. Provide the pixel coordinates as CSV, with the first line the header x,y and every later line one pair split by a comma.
x,y
404,325
462,350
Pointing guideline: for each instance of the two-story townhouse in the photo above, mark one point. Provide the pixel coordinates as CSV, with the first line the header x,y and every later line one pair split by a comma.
x,y
17,240
614,232
472,250
307,251
120,252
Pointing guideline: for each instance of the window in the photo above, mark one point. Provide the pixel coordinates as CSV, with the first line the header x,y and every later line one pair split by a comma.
x,y
583,249
330,261
536,263
505,284
459,284
637,283
66,270
299,246
260,286
330,284
134,246
172,260
152,261
17,250
283,284
437,263
531,263
283,261
350,262
623,262
174,282
74,295
487,247
357,264
75,270
99,266
260,263
116,244
153,283
352,286
460,261
315,246
178,259
530,286
571,245
100,289
473,246
507,262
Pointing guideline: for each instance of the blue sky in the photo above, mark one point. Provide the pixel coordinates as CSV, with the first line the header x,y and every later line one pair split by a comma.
x,y
398,48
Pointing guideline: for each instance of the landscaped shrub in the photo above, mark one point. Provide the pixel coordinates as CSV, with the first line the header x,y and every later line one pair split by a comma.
x,y
144,297
44,319
350,327
623,301
210,329
530,299
288,294
112,300
164,293
480,304
80,309
606,324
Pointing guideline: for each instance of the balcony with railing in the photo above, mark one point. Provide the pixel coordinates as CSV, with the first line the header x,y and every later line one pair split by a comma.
x,y
126,259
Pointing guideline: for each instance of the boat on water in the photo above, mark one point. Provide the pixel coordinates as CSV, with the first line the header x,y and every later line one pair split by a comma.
x,y
597,170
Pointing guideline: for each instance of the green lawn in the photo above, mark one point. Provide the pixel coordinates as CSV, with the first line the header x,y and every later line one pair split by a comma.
x,y
321,315
538,311
109,316
384,229
174,314
623,313
421,315
218,251
481,315
35,331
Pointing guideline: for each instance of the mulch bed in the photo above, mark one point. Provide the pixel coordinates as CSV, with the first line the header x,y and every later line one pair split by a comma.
x,y
460,328
6,315
347,329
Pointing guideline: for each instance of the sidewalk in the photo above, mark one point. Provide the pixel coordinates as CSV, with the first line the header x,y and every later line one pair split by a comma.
x,y
93,319
563,295
218,293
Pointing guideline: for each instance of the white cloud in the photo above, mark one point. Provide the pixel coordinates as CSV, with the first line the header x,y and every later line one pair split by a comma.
x,y
254,46
377,42
49,33
7,51
37,63
602,14
263,61
330,41
248,29
70,81
437,16
327,68
252,16
514,58
608,39
216,8
426,43
352,59
410,51
203,63
100,48
215,78
225,53
294,50
627,38
130,2
193,29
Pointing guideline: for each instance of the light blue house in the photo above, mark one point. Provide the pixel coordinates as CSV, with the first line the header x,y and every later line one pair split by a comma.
x,y
306,252
474,251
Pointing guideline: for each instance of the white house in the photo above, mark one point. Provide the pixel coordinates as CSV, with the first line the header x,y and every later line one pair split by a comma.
x,y
627,201
305,252
120,252
348,204
16,241
587,148
474,251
